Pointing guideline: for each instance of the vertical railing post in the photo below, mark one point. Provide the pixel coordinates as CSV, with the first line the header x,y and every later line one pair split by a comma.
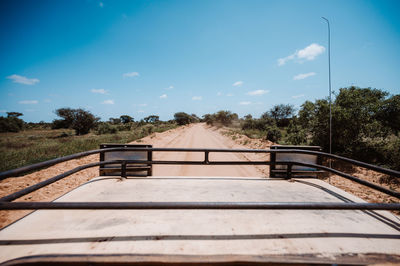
x,y
123,169
289,171
206,159
272,167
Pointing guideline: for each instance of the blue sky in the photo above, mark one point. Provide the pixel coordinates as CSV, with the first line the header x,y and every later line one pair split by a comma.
x,y
160,57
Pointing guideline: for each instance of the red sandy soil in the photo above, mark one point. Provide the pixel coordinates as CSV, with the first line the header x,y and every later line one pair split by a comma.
x,y
191,136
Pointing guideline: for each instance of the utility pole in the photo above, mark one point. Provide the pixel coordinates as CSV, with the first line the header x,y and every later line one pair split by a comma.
x,y
330,89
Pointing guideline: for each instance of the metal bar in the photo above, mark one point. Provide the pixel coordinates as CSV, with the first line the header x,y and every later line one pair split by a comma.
x,y
123,169
44,183
206,158
289,171
36,166
32,188
344,159
355,179
19,171
198,205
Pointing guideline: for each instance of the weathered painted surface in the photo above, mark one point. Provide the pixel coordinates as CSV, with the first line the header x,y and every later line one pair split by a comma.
x,y
324,233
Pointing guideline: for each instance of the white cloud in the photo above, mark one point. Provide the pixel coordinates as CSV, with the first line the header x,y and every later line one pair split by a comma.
x,y
297,96
100,91
219,93
238,83
101,4
169,88
108,102
47,100
245,103
142,104
3,111
282,61
164,96
257,92
140,111
131,75
229,94
197,98
308,53
29,102
23,80
303,76
311,51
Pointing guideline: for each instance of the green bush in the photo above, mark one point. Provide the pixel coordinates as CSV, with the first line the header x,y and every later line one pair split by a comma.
x,y
183,118
106,128
124,127
11,123
78,119
273,134
295,134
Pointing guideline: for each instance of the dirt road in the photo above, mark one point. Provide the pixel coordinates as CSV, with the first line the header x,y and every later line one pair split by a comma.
x,y
201,136
191,136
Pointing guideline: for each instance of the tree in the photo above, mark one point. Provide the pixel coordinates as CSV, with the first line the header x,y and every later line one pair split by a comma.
x,y
152,119
194,118
295,134
126,119
78,119
306,114
11,123
67,115
389,113
14,114
226,117
182,118
114,121
273,134
209,119
282,113
357,117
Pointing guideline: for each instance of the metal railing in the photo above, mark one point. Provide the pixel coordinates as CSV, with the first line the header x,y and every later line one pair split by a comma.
x,y
6,204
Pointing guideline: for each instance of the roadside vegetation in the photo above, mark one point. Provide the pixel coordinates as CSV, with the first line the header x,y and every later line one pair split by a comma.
x,y
365,126
37,142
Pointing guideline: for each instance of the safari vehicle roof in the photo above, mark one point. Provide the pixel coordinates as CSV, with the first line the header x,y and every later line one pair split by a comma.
x,y
203,236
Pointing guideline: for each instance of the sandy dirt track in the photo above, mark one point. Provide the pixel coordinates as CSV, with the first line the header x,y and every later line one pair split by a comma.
x,y
201,136
191,136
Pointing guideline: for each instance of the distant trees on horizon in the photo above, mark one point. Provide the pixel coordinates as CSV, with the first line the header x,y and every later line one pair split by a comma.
x,y
365,124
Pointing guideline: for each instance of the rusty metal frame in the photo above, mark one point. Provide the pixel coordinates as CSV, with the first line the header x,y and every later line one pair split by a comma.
x,y
6,204
149,170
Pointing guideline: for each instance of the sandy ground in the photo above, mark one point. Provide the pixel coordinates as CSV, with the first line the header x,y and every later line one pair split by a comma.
x,y
191,136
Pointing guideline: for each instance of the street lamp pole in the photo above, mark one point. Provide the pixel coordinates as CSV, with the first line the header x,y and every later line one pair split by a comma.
x,y
330,90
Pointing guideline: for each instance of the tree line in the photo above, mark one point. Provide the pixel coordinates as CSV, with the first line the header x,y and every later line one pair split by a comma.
x,y
365,124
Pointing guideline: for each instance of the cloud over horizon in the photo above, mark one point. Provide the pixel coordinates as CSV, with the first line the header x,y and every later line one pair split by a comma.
x,y
257,92
309,53
23,80
237,83
197,98
298,96
28,102
108,102
131,75
303,76
100,91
